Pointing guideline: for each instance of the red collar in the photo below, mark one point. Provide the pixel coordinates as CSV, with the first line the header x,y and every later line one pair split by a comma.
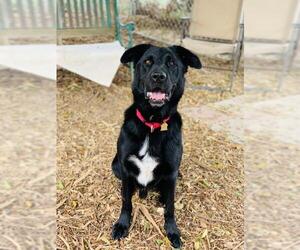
x,y
151,125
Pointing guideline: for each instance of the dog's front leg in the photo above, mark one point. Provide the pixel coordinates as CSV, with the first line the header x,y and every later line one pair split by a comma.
x,y
121,227
168,194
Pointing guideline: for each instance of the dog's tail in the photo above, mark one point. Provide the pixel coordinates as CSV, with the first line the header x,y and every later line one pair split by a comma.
x,y
116,167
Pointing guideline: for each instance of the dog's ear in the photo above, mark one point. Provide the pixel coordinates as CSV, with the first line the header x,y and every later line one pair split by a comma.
x,y
187,57
135,53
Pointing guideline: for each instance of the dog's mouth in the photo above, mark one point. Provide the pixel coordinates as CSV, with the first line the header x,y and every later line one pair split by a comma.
x,y
157,98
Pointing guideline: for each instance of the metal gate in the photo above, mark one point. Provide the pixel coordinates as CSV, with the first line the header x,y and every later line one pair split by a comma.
x,y
27,14
74,14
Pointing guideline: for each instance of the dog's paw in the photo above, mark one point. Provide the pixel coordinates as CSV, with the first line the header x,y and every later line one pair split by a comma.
x,y
119,231
175,240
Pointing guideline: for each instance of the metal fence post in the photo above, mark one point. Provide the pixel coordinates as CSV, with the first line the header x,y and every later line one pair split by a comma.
x,y
116,21
70,14
96,13
61,14
108,13
20,11
43,14
9,13
75,3
51,8
82,13
89,12
102,13
2,16
32,14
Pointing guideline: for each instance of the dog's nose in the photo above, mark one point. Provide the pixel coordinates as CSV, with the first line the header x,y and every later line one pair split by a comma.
x,y
159,76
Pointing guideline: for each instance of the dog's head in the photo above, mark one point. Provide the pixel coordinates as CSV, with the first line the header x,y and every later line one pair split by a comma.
x,y
159,72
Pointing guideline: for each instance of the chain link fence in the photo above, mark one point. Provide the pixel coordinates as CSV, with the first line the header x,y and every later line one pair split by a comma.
x,y
159,20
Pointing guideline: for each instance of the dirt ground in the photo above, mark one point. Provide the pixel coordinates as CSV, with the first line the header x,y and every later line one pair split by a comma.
x,y
27,161
209,196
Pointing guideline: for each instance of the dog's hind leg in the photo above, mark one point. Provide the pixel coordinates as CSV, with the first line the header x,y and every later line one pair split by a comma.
x,y
116,167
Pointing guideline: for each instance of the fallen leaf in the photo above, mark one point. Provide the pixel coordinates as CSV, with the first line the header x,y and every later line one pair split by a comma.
x,y
7,185
204,234
74,204
28,204
197,245
167,241
60,185
179,206
104,239
159,242
146,225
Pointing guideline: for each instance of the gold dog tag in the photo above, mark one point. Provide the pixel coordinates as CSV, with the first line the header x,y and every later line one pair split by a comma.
x,y
164,127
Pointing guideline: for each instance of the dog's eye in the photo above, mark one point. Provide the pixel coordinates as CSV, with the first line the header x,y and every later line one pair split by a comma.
x,y
148,62
171,63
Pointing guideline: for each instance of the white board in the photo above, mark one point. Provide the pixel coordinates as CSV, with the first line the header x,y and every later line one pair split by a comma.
x,y
37,59
269,19
96,62
217,19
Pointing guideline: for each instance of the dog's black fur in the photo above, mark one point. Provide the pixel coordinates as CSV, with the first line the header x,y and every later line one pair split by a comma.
x,y
166,146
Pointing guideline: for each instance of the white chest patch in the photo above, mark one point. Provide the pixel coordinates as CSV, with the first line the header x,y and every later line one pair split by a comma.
x,y
146,165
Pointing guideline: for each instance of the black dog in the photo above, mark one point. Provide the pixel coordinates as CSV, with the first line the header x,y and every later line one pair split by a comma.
x,y
149,147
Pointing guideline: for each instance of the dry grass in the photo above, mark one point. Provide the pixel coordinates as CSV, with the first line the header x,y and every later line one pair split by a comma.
x,y
209,197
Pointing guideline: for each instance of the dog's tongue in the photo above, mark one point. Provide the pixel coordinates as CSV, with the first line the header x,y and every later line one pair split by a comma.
x,y
157,96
